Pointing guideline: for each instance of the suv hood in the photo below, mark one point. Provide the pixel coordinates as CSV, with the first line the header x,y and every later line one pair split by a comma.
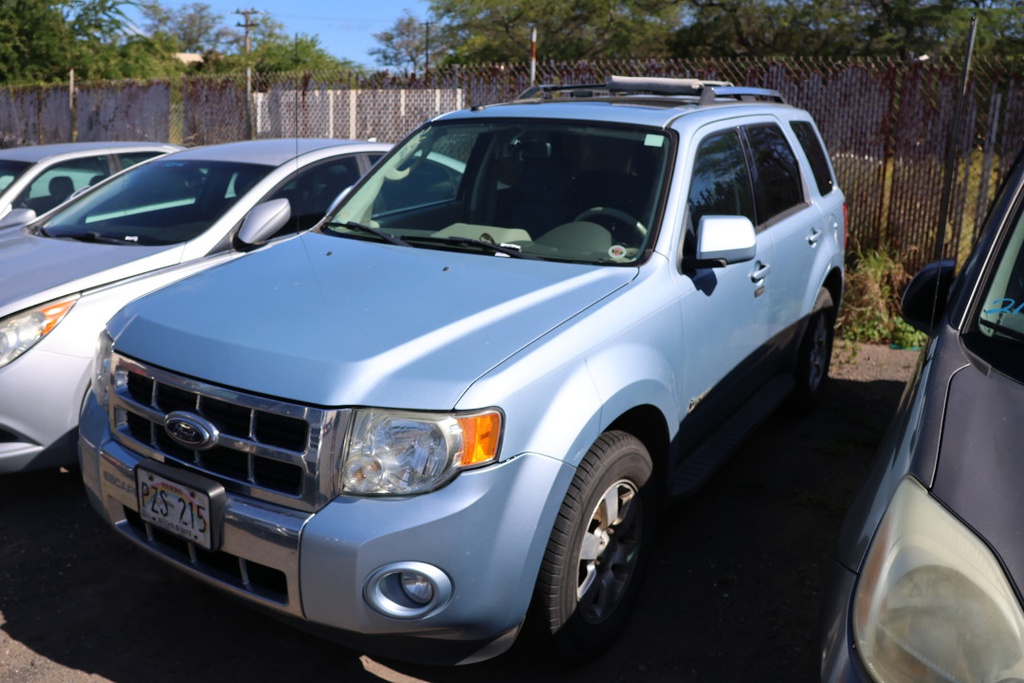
x,y
336,322
37,269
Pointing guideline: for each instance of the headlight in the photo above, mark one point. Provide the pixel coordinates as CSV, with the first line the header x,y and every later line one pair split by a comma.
x,y
101,379
932,603
21,331
403,453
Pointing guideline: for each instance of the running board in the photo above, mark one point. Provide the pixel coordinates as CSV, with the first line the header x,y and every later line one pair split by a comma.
x,y
698,467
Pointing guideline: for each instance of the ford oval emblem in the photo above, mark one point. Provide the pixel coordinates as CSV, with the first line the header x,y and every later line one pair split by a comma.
x,y
190,431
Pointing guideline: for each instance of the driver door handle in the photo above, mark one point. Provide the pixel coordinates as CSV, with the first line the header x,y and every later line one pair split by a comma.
x,y
759,274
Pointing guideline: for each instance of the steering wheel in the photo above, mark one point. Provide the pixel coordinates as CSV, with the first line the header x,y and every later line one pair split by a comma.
x,y
620,216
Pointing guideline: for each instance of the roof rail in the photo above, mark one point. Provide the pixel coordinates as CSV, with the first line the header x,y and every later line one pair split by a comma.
x,y
708,92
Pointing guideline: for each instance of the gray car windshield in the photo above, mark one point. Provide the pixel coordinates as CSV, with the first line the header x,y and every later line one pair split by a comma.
x,y
166,201
540,189
10,170
1002,314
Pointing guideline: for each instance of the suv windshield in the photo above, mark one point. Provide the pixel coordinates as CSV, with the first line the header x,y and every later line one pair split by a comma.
x,y
574,192
166,201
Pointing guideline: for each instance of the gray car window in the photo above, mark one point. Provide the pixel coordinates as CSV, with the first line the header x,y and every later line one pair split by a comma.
x,y
313,189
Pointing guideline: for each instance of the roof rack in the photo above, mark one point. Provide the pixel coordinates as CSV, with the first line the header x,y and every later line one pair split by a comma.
x,y
708,92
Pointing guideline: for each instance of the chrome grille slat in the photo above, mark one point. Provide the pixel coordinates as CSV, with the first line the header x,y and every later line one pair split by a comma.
x,y
275,451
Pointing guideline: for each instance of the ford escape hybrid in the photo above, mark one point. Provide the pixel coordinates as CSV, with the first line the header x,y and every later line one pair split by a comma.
x,y
470,389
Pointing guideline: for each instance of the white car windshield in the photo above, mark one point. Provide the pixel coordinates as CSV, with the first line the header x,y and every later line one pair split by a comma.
x,y
538,189
166,201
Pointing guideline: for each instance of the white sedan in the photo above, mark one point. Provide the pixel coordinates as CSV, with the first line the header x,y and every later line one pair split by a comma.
x,y
63,275
36,178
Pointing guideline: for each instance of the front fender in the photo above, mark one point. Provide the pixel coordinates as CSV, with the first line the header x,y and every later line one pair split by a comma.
x,y
560,395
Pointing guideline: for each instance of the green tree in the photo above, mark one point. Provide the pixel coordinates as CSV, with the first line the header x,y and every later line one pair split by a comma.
x,y
410,43
500,30
194,28
42,41
302,52
31,44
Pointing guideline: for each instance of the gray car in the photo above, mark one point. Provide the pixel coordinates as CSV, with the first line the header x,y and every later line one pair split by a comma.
x,y
37,178
64,275
927,578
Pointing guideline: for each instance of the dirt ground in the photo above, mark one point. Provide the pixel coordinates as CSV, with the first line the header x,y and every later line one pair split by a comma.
x,y
733,594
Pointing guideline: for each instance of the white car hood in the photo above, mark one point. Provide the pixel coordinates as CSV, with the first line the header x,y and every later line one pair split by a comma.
x,y
335,322
35,269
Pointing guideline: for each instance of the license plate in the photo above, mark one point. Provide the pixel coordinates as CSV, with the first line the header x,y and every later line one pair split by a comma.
x,y
175,507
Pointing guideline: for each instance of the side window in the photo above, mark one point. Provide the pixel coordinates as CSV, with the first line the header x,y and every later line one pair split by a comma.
x,y
777,174
815,155
721,181
58,182
313,189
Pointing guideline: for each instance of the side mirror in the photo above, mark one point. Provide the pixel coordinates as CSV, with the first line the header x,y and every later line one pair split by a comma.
x,y
722,240
264,221
17,217
924,300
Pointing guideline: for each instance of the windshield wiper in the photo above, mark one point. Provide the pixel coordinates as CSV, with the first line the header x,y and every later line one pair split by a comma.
x,y
93,236
513,250
1002,329
376,232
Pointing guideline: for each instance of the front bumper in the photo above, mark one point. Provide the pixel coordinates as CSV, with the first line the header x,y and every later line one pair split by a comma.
x,y
839,660
486,532
42,394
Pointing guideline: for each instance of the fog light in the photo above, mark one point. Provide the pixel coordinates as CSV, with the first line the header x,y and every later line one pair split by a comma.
x,y
408,590
418,587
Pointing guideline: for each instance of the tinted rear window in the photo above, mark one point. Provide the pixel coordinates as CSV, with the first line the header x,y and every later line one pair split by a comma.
x,y
816,155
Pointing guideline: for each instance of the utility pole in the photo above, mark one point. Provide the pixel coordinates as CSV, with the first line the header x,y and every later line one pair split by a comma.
x,y
426,59
247,25
248,69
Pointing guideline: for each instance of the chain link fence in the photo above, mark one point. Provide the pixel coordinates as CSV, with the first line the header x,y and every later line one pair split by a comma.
x,y
887,123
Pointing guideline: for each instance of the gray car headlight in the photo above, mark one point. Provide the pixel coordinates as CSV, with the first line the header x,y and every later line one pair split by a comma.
x,y
402,453
933,603
21,331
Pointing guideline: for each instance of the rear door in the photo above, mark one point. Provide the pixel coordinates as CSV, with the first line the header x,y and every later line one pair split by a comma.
x,y
787,213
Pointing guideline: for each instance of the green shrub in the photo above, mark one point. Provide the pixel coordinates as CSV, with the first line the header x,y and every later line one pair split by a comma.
x,y
871,304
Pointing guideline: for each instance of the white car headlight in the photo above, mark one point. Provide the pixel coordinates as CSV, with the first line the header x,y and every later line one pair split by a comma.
x,y
933,603
21,331
403,453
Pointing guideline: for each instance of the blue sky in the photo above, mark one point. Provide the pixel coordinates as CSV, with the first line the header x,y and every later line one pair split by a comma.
x,y
345,27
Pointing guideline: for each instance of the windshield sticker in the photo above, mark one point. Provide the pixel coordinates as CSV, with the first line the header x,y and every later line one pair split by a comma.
x,y
1008,306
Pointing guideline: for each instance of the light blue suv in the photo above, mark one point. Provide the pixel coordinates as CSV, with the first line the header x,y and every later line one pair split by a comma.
x,y
465,396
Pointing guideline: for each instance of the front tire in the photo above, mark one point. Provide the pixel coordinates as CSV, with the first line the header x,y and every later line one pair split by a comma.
x,y
598,548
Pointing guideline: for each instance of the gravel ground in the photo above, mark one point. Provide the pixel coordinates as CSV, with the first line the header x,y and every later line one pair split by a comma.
x,y
733,594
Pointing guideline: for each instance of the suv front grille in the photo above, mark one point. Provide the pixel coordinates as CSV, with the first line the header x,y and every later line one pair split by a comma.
x,y
270,450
